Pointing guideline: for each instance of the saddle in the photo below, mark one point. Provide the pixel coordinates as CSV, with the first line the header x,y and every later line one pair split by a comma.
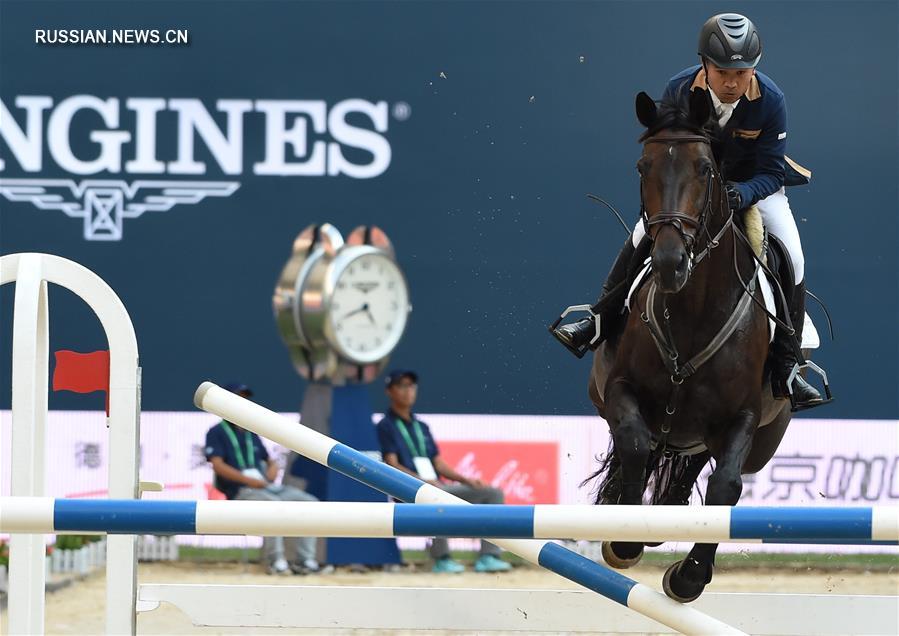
x,y
781,266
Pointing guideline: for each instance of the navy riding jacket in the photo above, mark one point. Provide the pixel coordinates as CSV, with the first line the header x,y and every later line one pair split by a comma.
x,y
750,148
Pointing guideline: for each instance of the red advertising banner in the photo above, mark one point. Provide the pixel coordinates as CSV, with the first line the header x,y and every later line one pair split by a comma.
x,y
527,472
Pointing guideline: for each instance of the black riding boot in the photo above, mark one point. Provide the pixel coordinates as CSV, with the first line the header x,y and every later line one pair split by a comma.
x,y
576,336
784,349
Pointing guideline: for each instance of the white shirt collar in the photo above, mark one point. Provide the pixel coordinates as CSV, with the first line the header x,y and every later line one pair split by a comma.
x,y
722,111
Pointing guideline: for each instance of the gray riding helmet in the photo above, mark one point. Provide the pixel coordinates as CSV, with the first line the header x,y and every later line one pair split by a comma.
x,y
730,40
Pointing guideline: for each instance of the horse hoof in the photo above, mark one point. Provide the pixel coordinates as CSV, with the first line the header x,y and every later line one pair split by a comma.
x,y
618,562
679,589
653,545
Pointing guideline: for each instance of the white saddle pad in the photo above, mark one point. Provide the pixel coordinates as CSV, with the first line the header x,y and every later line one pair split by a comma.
x,y
810,338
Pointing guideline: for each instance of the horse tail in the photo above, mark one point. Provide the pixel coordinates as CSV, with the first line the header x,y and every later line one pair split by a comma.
x,y
669,478
607,478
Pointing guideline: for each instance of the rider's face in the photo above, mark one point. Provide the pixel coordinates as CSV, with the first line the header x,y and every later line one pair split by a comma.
x,y
729,84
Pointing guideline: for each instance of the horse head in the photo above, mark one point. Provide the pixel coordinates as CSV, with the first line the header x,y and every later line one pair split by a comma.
x,y
679,182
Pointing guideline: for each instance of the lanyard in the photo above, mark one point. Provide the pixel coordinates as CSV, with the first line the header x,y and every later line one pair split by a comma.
x,y
248,440
422,451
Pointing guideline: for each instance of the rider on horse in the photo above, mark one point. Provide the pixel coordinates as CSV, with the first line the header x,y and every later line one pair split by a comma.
x,y
748,141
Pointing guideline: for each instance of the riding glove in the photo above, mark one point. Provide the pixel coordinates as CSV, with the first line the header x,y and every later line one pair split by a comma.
x,y
734,199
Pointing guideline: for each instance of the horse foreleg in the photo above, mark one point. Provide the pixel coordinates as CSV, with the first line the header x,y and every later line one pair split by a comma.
x,y
685,580
632,441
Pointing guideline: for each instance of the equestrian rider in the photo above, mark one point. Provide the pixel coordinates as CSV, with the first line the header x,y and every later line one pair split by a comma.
x,y
748,141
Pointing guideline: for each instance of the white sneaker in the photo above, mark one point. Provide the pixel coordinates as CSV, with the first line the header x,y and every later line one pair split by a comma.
x,y
311,566
280,566
307,566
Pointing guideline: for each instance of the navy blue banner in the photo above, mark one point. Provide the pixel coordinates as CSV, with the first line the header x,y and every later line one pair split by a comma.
x,y
178,148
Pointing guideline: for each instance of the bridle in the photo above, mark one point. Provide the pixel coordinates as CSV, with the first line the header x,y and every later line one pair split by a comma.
x,y
678,219
661,330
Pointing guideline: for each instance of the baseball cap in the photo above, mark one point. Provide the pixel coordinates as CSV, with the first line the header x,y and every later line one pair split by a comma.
x,y
238,387
398,374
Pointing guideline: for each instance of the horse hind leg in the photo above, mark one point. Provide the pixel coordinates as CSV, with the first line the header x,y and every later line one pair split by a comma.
x,y
766,440
685,580
632,440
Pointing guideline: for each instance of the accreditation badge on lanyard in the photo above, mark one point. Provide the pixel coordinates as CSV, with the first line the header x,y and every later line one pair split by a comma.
x,y
425,468
246,468
423,465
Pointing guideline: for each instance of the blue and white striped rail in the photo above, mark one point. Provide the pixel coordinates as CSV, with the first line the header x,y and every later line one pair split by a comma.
x,y
706,524
353,464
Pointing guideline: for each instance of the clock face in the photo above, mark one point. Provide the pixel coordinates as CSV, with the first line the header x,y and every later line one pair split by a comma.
x,y
368,307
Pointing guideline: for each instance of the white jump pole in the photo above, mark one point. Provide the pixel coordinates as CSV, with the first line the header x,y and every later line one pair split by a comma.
x,y
356,465
704,524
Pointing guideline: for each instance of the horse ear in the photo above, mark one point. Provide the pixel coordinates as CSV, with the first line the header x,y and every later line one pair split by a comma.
x,y
700,106
646,109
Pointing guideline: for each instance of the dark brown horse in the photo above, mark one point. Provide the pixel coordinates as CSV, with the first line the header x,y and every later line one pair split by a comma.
x,y
685,380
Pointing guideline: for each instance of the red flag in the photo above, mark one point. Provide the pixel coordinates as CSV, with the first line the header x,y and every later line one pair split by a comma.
x,y
82,372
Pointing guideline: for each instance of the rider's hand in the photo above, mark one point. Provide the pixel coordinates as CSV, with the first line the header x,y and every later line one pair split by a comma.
x,y
734,200
257,484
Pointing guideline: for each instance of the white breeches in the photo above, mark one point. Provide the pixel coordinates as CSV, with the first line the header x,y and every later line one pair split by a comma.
x,y
778,218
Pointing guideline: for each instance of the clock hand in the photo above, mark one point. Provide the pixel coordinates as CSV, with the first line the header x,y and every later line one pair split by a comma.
x,y
370,316
364,307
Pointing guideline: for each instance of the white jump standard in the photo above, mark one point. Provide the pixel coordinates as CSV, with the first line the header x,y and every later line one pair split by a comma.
x,y
715,524
353,464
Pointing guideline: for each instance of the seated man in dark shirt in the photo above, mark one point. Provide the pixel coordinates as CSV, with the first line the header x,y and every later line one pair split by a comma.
x,y
407,444
244,470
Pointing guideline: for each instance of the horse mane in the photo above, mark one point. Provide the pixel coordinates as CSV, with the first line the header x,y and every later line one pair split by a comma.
x,y
670,115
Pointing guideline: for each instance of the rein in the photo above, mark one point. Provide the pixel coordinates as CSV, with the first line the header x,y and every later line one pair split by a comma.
x,y
677,219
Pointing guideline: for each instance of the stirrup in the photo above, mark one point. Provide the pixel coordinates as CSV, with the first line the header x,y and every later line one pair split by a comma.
x,y
808,364
583,349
